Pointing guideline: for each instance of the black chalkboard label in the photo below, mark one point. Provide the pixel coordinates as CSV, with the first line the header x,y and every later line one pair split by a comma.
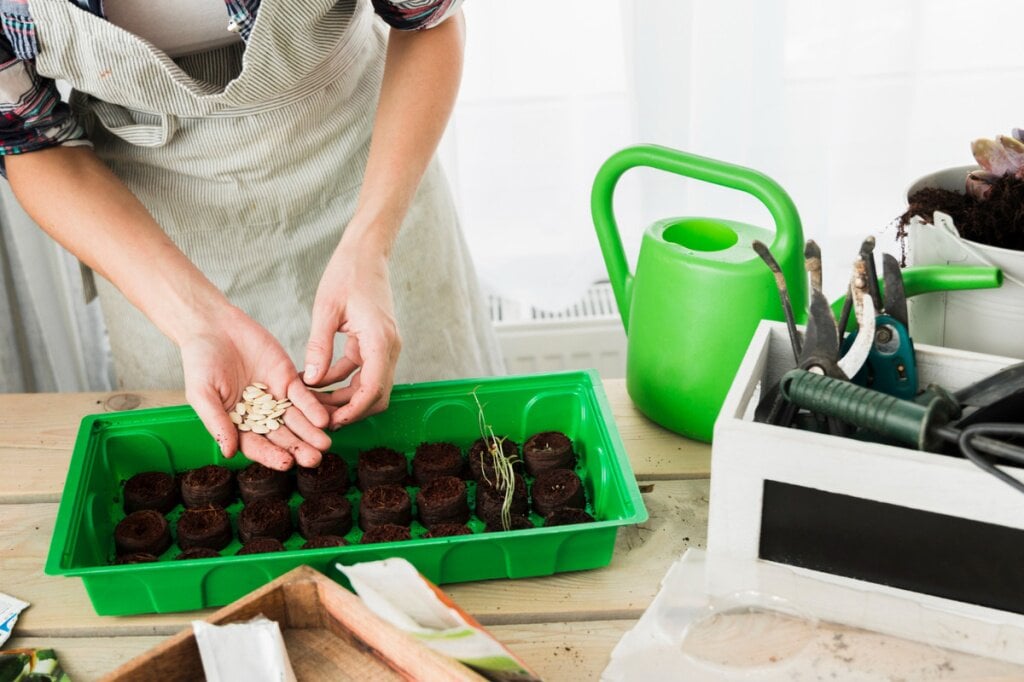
x,y
887,544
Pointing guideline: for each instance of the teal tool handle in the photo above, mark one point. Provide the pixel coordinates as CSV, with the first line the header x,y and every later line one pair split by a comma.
x,y
926,279
902,420
788,232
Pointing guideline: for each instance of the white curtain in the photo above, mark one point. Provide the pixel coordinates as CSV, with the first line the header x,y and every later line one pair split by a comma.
x,y
844,104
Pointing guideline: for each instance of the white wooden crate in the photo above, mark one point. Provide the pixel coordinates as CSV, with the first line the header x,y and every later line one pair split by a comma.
x,y
746,454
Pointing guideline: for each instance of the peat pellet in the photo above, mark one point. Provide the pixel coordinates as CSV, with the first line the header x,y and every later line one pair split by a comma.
x,y
384,504
142,532
434,460
331,476
557,489
381,466
258,482
208,486
136,558
260,546
389,532
567,516
322,541
481,460
198,553
447,530
442,500
206,527
156,490
546,451
489,500
269,518
516,522
327,514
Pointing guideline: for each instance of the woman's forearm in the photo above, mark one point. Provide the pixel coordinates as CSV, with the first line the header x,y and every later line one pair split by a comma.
x,y
79,202
421,80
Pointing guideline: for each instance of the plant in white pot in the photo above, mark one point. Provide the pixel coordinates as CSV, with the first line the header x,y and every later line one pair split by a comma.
x,y
972,215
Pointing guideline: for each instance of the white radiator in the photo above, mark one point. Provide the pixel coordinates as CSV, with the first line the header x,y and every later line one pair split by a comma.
x,y
585,335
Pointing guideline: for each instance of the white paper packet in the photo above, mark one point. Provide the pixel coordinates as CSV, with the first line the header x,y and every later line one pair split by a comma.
x,y
250,651
10,609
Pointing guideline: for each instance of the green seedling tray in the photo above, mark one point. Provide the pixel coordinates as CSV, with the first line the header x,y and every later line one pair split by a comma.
x,y
113,447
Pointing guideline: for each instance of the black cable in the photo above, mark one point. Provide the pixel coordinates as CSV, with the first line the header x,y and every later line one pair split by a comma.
x,y
982,434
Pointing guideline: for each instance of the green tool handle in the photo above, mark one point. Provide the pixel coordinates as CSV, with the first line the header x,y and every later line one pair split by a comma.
x,y
788,231
925,279
902,420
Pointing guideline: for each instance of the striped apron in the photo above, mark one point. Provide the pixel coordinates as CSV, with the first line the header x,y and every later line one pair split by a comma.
x,y
251,159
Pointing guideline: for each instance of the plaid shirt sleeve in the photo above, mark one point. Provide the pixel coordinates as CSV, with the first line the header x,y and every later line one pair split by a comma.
x,y
32,115
415,15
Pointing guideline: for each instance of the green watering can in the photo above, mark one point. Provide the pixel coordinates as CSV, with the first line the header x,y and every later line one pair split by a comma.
x,y
700,289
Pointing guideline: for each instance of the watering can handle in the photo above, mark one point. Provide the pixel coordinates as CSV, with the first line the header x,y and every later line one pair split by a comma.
x,y
788,233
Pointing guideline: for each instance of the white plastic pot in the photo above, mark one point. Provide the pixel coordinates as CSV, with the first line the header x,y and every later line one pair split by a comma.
x,y
984,320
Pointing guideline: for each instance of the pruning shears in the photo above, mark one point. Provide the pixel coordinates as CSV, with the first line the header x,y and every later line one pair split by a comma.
x,y
890,366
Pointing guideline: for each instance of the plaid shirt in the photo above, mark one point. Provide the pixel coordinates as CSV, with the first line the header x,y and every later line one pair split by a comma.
x,y
32,115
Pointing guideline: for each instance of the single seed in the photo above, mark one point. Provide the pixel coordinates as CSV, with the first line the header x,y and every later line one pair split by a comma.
x,y
259,385
236,418
260,429
244,427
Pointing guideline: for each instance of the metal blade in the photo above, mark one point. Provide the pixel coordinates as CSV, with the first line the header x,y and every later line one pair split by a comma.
x,y
821,339
895,295
812,262
867,253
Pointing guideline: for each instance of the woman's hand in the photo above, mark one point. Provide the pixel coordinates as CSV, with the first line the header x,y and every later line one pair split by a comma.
x,y
220,361
354,297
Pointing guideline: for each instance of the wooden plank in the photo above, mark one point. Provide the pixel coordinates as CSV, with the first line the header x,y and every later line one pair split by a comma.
x,y
678,510
36,446
50,420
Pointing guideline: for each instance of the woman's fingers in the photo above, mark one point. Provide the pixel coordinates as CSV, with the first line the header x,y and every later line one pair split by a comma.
x,y
208,405
260,449
304,454
300,426
306,402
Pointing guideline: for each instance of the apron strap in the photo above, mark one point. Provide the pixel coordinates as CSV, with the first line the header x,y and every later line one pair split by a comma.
x,y
118,120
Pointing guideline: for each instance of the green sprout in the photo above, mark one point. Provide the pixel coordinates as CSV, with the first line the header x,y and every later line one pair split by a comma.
x,y
504,474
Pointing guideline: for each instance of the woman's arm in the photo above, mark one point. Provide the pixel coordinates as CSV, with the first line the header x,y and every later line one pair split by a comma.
x,y
421,80
76,199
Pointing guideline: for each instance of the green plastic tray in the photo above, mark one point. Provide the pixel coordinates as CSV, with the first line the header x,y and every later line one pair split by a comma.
x,y
112,447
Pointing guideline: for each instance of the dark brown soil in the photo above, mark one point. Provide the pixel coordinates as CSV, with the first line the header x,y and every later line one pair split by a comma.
x,y
155,490
321,541
381,466
207,527
385,504
211,485
434,460
327,514
997,221
270,518
257,482
447,530
517,522
567,516
443,500
330,477
389,532
198,553
558,489
490,499
261,546
548,450
143,531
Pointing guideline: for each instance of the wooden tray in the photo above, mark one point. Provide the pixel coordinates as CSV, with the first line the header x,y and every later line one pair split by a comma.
x,y
329,633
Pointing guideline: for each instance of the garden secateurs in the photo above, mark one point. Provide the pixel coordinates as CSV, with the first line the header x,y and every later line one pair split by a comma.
x,y
890,366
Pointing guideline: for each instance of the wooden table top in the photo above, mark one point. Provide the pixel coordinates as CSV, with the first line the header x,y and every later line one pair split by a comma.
x,y
564,625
